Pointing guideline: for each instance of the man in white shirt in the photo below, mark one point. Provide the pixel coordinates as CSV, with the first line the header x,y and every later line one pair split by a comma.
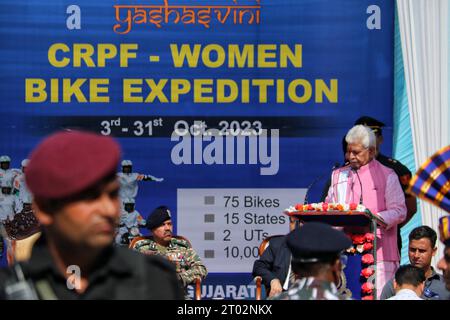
x,y
409,283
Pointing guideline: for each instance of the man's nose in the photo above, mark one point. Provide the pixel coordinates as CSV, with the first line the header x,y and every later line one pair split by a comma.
x,y
108,205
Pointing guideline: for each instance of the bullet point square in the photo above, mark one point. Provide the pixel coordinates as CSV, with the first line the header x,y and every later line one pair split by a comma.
x,y
209,254
209,235
210,200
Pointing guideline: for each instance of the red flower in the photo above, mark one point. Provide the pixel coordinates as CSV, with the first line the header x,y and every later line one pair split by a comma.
x,y
325,206
353,206
367,258
367,288
299,207
368,246
310,207
369,237
367,272
367,298
358,239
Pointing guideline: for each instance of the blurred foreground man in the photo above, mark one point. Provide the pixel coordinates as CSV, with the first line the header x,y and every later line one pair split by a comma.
x,y
73,181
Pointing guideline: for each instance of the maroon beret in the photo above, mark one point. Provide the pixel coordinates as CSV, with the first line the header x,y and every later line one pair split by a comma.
x,y
68,162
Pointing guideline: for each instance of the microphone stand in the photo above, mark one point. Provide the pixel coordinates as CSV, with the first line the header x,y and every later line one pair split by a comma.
x,y
360,185
336,165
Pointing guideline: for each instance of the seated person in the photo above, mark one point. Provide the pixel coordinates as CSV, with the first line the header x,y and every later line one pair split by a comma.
x,y
317,264
274,265
188,264
409,283
421,249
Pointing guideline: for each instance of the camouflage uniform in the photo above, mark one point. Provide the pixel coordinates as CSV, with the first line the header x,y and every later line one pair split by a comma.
x,y
310,289
188,264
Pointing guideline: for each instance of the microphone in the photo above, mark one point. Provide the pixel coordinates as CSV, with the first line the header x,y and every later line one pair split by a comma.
x,y
335,166
360,185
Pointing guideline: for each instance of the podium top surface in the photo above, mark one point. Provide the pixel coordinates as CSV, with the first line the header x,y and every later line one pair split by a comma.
x,y
339,218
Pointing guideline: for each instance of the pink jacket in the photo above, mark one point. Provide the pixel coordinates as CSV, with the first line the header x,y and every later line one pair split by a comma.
x,y
381,194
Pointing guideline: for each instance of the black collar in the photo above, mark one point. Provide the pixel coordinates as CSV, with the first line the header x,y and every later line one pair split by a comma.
x,y
434,275
111,259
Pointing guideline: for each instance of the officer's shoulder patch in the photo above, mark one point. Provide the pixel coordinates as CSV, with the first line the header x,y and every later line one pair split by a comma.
x,y
181,242
145,244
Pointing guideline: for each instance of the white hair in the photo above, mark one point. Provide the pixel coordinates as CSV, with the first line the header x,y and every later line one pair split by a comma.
x,y
361,134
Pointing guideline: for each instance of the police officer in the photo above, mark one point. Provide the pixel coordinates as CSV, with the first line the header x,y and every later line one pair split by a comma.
x,y
316,260
188,264
129,180
130,222
403,173
73,180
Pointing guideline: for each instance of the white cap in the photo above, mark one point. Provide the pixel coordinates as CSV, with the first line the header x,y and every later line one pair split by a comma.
x,y
5,159
126,163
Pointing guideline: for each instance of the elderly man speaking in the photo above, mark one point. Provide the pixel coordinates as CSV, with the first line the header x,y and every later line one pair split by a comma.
x,y
367,181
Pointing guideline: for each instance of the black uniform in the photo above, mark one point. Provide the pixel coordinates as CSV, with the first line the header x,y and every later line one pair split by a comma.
x,y
119,273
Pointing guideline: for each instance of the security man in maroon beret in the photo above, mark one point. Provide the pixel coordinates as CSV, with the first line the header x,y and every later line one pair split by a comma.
x,y
76,200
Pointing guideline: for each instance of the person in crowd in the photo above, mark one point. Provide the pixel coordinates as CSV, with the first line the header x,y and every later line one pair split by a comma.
x,y
408,283
72,176
421,249
274,265
316,250
162,242
368,182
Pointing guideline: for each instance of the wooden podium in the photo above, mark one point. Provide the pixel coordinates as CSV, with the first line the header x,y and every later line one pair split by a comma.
x,y
353,222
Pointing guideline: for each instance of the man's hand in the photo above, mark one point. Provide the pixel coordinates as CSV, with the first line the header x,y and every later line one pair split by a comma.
x,y
275,287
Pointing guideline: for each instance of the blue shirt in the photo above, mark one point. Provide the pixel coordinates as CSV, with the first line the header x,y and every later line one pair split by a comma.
x,y
434,288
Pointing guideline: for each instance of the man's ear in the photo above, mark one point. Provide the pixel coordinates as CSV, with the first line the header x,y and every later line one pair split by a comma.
x,y
380,140
434,252
395,285
44,218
